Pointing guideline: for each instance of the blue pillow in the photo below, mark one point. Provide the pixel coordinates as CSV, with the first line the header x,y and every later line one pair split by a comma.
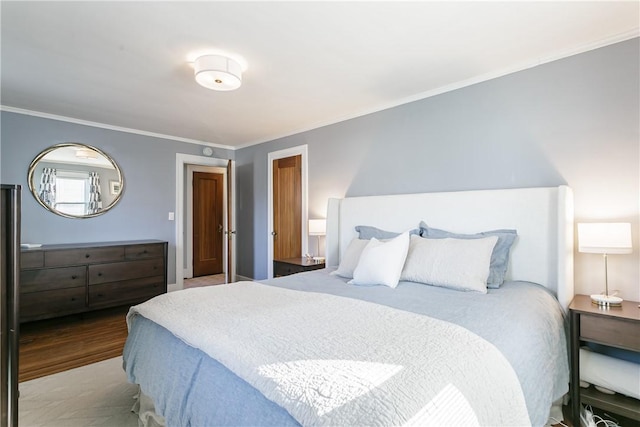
x,y
366,232
499,256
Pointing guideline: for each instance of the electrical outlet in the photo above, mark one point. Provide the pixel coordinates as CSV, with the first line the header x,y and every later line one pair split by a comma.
x,y
171,216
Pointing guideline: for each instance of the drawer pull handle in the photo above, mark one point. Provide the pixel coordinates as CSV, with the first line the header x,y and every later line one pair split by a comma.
x,y
99,274
87,255
73,299
74,277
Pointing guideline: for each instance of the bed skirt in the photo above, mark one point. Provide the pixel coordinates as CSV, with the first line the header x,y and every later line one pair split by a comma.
x,y
145,409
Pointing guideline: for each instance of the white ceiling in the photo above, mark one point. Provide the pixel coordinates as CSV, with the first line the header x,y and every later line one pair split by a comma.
x,y
126,64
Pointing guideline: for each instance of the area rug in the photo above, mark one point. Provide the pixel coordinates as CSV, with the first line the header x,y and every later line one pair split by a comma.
x,y
92,395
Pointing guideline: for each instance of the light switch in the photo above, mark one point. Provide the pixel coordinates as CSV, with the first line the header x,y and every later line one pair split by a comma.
x,y
171,216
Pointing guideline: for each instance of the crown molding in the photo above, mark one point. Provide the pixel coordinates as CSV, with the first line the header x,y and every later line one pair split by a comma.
x,y
10,109
618,38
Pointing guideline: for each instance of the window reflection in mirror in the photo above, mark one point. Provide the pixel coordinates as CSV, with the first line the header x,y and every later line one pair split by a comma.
x,y
75,180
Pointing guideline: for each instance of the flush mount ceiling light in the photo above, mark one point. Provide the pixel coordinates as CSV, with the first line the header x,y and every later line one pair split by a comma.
x,y
86,153
218,72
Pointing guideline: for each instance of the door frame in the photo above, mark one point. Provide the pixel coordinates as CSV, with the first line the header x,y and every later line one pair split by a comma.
x,y
191,168
182,160
302,151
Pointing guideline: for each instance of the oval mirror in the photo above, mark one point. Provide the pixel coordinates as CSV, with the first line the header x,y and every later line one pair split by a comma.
x,y
75,180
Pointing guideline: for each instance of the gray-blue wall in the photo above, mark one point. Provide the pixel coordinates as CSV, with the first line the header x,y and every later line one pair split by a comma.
x,y
574,121
148,165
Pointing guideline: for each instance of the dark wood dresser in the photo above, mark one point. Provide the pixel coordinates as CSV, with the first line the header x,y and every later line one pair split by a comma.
x,y
56,280
285,267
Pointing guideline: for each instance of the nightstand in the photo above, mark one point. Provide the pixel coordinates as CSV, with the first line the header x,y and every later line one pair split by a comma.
x,y
614,327
285,267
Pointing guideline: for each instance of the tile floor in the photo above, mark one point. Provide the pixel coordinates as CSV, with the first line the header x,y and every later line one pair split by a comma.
x,y
196,282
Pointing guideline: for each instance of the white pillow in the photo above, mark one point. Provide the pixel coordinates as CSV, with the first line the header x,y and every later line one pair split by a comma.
x,y
461,264
381,262
351,257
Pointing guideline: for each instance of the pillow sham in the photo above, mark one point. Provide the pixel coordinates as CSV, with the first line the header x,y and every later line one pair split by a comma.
x,y
368,232
499,256
350,259
381,262
461,264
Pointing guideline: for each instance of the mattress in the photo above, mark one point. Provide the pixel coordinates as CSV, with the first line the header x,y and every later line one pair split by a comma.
x,y
523,320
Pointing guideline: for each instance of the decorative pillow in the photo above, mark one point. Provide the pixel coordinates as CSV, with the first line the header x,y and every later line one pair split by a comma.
x,y
461,264
351,257
381,262
499,256
368,232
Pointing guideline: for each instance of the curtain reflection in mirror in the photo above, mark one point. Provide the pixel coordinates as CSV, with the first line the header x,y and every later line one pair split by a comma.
x,y
71,191
47,190
95,198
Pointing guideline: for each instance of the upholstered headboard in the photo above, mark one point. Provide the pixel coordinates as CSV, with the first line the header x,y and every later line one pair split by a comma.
x,y
543,217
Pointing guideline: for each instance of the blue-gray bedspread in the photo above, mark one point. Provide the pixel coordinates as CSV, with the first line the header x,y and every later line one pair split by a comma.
x,y
523,320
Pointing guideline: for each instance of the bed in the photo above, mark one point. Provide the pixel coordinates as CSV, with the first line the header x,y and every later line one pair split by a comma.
x,y
313,349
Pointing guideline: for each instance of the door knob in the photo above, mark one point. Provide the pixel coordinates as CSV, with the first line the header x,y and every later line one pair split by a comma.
x,y
274,234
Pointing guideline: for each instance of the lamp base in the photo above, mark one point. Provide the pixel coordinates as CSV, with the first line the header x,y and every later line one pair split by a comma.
x,y
606,300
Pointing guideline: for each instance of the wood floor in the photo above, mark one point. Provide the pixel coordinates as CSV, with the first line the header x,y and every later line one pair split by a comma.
x,y
56,345
51,346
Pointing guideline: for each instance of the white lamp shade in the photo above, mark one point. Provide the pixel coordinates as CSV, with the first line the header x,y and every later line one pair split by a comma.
x,y
317,227
218,72
605,238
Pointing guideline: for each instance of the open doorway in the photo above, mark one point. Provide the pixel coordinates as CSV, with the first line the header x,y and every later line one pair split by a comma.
x,y
289,155
186,167
206,214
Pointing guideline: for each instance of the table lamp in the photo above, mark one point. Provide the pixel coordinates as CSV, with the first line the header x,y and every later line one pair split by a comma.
x,y
605,238
318,227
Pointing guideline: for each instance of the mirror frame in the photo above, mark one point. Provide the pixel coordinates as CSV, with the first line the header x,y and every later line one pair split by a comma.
x,y
39,157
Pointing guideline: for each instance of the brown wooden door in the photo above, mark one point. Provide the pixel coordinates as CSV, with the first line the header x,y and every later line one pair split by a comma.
x,y
287,207
208,192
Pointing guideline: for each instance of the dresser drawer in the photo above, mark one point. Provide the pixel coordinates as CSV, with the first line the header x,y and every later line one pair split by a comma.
x,y
294,265
282,269
29,259
118,293
36,305
119,271
153,250
611,331
46,279
83,256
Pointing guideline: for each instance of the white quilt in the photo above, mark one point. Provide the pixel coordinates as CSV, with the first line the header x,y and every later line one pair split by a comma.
x,y
331,360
